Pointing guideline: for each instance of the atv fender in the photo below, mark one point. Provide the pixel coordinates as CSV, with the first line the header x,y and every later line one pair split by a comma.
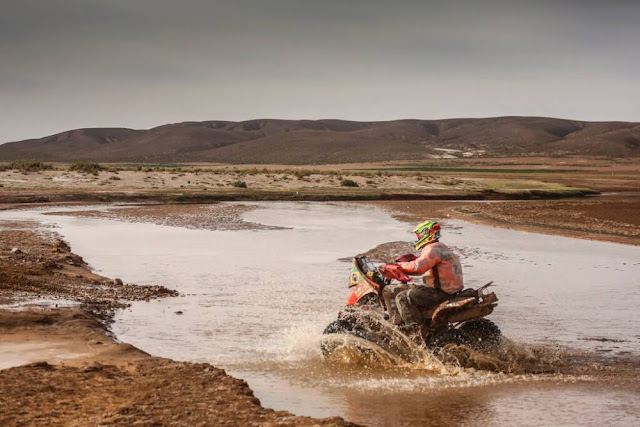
x,y
451,305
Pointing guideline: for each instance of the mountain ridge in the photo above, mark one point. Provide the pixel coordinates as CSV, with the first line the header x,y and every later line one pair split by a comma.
x,y
333,141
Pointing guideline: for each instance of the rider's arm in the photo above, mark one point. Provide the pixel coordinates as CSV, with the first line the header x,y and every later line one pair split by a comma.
x,y
428,259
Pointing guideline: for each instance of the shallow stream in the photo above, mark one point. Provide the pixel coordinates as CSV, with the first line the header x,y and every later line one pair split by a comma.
x,y
255,302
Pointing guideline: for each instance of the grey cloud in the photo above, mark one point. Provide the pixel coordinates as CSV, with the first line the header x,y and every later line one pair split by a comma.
x,y
281,58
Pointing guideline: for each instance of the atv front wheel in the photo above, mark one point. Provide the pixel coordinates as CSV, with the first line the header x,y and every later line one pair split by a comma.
x,y
450,336
342,326
338,327
482,332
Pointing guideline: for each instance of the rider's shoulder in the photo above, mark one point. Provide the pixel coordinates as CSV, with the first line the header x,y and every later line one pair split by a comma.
x,y
434,247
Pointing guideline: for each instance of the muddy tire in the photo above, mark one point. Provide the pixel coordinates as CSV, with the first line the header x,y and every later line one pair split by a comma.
x,y
450,336
482,332
343,327
338,327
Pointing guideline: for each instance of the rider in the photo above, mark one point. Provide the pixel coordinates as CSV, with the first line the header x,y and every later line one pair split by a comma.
x,y
443,278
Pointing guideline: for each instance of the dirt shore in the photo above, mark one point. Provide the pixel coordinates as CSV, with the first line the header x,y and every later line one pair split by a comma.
x,y
59,365
612,219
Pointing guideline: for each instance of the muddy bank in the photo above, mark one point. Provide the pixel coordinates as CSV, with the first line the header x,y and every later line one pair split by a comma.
x,y
36,264
76,374
149,392
615,219
54,314
202,217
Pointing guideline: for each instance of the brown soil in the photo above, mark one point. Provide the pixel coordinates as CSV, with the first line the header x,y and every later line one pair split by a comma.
x,y
386,252
145,392
60,365
613,219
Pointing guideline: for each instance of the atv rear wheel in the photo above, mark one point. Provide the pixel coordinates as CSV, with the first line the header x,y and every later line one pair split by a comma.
x,y
482,332
450,336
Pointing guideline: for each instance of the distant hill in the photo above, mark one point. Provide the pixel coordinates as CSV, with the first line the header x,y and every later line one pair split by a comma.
x,y
333,141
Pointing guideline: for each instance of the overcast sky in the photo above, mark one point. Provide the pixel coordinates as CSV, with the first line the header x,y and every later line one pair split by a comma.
x,y
140,63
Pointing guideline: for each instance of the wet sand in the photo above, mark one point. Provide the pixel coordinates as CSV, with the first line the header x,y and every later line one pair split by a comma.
x,y
150,391
200,217
60,364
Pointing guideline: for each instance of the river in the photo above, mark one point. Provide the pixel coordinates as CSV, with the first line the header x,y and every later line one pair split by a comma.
x,y
255,302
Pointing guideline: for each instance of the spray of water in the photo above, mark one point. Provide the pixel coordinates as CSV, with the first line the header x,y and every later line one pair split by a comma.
x,y
379,355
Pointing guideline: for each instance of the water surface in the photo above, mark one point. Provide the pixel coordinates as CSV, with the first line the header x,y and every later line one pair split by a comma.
x,y
255,303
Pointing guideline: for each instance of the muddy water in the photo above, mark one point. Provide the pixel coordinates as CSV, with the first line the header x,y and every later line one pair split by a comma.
x,y
255,303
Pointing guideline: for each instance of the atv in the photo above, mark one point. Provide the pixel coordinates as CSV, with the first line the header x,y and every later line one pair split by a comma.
x,y
371,305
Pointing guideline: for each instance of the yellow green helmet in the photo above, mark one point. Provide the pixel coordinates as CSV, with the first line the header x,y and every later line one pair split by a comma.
x,y
426,232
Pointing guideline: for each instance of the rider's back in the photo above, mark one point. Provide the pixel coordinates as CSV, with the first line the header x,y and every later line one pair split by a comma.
x,y
441,256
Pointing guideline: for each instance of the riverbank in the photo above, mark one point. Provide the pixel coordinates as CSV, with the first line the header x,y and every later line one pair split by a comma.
x,y
60,364
610,219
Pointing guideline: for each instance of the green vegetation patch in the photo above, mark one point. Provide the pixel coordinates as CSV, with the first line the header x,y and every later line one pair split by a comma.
x,y
471,170
87,167
349,183
27,166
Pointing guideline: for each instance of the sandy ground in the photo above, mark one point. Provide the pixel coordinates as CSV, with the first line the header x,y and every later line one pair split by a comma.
x,y
223,183
59,365
613,219
222,178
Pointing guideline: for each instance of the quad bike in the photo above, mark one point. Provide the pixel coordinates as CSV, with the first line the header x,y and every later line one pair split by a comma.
x,y
459,320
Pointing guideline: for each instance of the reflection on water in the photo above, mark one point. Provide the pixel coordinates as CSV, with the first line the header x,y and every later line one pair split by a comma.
x,y
256,302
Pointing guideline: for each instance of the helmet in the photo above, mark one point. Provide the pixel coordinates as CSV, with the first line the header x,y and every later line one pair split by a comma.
x,y
426,232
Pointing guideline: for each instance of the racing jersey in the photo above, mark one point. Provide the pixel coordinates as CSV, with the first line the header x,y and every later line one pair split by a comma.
x,y
449,267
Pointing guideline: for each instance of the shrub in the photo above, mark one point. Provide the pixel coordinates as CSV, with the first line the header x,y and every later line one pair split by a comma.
x,y
240,184
450,181
349,183
87,167
30,166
